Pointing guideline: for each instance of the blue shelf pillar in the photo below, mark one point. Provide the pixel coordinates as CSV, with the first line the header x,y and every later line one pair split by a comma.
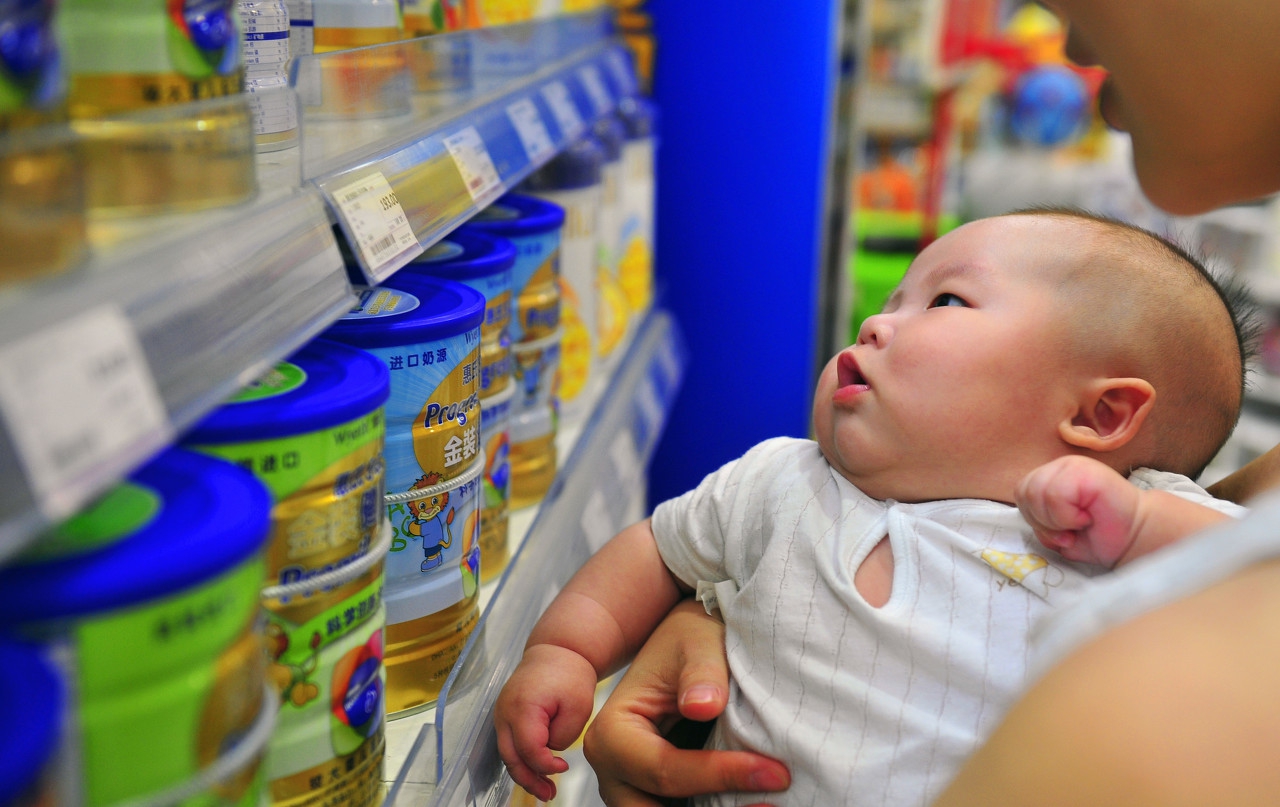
x,y
746,93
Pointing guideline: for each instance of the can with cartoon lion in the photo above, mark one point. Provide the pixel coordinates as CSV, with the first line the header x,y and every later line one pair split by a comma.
x,y
427,332
147,605
312,429
484,263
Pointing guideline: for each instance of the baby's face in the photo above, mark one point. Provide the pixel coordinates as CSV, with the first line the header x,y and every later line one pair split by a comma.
x,y
956,388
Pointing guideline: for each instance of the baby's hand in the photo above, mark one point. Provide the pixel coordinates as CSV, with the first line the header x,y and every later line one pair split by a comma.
x,y
543,708
1080,508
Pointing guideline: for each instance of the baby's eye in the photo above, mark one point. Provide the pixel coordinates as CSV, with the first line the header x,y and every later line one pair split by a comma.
x,y
946,299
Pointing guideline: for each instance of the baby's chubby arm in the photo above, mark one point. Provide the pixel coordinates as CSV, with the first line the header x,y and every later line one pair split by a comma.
x,y
593,627
1088,512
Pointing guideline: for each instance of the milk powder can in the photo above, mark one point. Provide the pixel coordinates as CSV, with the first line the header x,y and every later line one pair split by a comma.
x,y
534,226
484,263
426,332
573,181
147,604
312,429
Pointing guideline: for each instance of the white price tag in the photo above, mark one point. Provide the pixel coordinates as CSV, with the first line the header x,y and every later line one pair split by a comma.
x,y
600,97
525,117
621,70
377,222
564,110
81,407
626,461
595,522
474,163
664,358
648,408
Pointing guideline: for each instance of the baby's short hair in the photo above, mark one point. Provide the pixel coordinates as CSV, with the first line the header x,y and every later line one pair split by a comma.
x,y
1192,420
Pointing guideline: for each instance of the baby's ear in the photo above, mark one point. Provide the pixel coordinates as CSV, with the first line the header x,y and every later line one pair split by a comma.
x,y
1110,413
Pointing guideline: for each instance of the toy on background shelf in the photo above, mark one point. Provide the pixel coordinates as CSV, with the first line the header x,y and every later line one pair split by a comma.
x,y
889,184
1049,105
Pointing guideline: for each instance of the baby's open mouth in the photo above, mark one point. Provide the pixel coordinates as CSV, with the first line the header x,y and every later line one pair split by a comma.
x,y
847,372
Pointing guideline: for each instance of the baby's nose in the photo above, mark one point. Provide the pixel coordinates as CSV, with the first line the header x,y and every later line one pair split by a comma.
x,y
875,330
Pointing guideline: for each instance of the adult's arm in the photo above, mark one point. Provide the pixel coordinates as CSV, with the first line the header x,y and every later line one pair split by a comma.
x,y
1262,474
1177,707
680,672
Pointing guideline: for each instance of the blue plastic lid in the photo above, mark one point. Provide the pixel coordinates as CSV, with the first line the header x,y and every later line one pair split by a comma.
x,y
324,384
206,517
639,117
464,255
611,134
426,309
32,720
581,165
515,215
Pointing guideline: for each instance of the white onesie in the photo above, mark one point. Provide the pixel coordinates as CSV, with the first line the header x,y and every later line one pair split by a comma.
x,y
872,706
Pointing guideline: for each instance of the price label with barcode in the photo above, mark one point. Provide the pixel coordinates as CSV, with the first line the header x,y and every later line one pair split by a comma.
x,y
471,156
564,110
621,72
648,410
596,91
525,117
81,407
625,458
596,524
377,222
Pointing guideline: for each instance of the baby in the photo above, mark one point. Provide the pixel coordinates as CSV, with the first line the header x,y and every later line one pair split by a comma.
x,y
878,585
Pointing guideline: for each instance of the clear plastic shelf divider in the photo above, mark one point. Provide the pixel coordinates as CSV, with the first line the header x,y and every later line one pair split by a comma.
x,y
558,542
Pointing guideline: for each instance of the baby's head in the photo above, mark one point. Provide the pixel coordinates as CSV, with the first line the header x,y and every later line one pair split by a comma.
x,y
1015,340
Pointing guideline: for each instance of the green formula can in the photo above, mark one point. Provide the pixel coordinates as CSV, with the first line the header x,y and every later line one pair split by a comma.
x,y
147,604
312,429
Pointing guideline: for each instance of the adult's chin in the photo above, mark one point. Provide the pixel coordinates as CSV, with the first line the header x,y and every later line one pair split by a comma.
x,y
1109,106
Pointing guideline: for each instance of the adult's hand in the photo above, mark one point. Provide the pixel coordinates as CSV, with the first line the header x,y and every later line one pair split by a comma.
x,y
680,672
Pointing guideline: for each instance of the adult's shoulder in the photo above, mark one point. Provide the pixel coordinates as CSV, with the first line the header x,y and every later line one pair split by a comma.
x,y
1177,705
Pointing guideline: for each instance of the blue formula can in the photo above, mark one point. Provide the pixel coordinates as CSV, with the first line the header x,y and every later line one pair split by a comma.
x,y
312,429
427,333
535,226
147,603
32,726
484,263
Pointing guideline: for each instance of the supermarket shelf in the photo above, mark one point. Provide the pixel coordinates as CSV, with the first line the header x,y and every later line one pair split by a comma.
x,y
102,367
452,756
106,364
499,104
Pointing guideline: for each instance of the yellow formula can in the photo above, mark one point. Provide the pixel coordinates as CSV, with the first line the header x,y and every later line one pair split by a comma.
x,y
427,333
325,643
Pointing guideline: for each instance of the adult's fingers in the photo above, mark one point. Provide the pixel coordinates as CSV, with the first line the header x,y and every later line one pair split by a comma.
x,y
628,755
